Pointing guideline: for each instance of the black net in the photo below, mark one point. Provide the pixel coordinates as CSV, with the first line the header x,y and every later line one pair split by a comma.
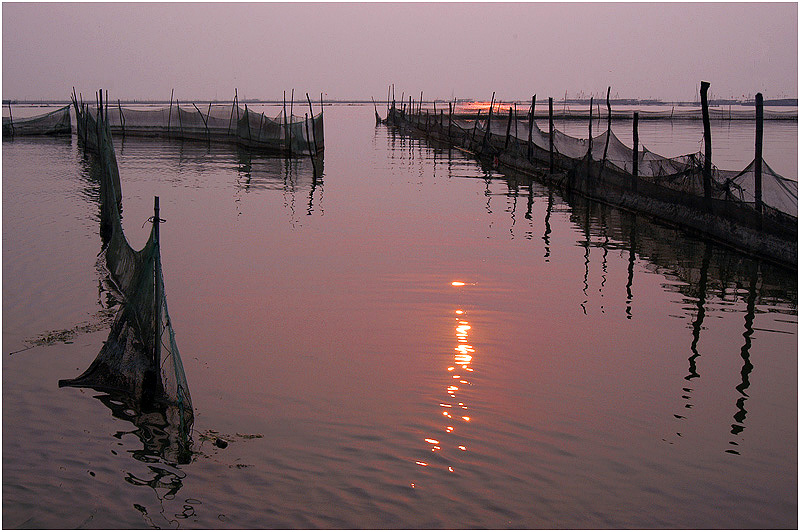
x,y
231,123
682,175
53,123
140,359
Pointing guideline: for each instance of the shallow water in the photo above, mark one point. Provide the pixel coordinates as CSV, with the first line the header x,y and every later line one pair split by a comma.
x,y
595,370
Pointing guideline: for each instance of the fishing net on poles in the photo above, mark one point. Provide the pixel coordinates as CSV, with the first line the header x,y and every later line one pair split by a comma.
x,y
233,123
140,358
53,123
777,192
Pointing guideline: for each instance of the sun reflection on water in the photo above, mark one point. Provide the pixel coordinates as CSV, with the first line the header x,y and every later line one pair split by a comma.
x,y
445,446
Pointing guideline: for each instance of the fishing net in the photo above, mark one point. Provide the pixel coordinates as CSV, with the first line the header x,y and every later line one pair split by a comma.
x,y
53,123
140,358
777,192
301,135
677,178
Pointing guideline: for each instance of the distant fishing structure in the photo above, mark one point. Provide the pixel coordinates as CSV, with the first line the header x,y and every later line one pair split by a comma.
x,y
56,122
754,210
284,134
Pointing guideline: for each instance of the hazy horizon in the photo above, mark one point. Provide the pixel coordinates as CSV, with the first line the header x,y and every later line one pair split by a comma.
x,y
354,51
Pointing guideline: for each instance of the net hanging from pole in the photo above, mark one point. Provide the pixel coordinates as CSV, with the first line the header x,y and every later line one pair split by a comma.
x,y
140,358
53,123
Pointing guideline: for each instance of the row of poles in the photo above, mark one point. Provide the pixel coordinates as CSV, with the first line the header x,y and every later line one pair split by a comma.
x,y
707,165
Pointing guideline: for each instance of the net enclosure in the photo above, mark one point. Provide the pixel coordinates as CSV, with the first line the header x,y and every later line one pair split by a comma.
x,y
230,123
52,123
140,360
604,167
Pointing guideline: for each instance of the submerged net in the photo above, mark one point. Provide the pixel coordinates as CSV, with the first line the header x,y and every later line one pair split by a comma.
x,y
53,123
140,359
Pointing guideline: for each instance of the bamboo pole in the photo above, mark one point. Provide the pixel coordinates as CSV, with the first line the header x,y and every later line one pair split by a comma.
x,y
180,120
759,143
169,116
608,133
530,126
313,164
635,178
608,107
589,151
291,113
707,136
550,113
121,117
313,129
247,119
285,122
488,133
157,294
449,119
508,128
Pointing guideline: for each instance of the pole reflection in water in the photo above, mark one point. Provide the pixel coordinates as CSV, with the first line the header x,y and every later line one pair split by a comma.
x,y
747,366
289,175
455,410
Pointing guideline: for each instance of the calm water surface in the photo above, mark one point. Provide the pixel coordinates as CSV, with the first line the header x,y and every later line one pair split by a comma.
x,y
594,370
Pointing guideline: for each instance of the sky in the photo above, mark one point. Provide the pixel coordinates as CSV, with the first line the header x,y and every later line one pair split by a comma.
x,y
355,50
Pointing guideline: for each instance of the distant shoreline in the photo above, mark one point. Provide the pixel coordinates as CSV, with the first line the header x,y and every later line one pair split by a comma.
x,y
782,102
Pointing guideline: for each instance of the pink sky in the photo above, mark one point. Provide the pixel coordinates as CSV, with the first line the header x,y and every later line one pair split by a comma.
x,y
642,50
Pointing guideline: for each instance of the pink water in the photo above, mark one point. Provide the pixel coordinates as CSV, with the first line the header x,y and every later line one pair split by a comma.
x,y
595,369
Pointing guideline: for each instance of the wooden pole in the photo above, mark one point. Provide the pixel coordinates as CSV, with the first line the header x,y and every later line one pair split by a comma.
x,y
285,122
169,116
489,121
759,143
636,143
707,136
449,119
291,113
589,151
508,128
635,178
11,117
550,113
157,295
530,127
180,120
247,119
121,117
208,115
313,164
313,129
608,131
